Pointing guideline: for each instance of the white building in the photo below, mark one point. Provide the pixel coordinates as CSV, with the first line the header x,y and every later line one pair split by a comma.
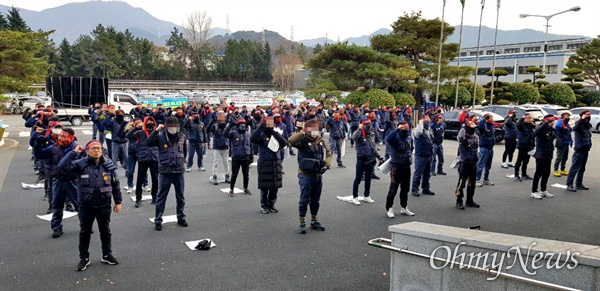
x,y
516,58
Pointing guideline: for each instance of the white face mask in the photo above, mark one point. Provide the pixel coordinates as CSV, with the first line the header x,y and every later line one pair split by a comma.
x,y
172,130
56,131
313,133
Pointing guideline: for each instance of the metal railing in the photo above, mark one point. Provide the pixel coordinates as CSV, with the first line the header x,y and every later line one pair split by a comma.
x,y
123,84
376,242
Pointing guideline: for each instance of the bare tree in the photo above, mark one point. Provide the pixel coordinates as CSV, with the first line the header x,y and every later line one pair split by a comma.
x,y
284,69
197,28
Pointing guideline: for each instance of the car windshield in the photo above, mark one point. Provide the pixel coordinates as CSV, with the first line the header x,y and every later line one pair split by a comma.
x,y
561,111
536,114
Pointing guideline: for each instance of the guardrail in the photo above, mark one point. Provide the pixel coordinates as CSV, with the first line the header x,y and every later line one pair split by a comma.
x,y
121,84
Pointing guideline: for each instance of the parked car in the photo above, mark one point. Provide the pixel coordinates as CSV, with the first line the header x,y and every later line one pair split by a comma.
x,y
453,126
555,110
502,110
595,111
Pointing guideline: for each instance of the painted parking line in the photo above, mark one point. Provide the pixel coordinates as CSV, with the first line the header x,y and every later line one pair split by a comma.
x,y
87,132
24,133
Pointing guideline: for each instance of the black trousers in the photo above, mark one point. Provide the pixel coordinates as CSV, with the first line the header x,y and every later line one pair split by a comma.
x,y
467,175
400,177
542,171
235,169
522,161
510,145
141,177
87,215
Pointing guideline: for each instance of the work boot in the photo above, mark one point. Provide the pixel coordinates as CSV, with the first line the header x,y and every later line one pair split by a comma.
x,y
472,204
459,205
138,203
556,173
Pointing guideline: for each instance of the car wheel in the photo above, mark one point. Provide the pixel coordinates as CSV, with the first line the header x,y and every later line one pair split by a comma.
x,y
598,127
127,118
76,121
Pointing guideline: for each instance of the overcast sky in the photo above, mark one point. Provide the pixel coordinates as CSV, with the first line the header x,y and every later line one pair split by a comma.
x,y
348,18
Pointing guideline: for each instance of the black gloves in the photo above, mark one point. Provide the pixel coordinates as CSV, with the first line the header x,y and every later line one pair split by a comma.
x,y
40,140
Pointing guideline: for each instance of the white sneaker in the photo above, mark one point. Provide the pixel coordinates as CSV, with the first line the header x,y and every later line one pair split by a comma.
x,y
129,191
368,199
504,165
511,164
406,211
536,195
125,188
147,189
355,201
546,194
478,184
390,213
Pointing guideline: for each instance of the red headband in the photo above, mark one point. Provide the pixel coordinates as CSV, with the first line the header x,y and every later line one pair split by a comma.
x,y
93,143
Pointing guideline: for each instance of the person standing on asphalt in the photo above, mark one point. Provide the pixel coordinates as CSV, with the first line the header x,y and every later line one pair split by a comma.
x,y
400,145
544,148
510,139
366,158
563,142
197,141
314,159
423,152
583,144
241,153
438,128
147,159
97,182
526,143
337,133
220,147
119,144
63,183
468,145
132,157
171,166
269,166
487,140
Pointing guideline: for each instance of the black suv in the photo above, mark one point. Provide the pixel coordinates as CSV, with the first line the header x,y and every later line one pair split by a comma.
x,y
453,125
502,110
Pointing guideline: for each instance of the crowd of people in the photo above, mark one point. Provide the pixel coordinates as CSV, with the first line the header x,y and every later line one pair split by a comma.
x,y
164,143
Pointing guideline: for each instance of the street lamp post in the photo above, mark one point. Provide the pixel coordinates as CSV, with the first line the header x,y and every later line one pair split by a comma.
x,y
547,17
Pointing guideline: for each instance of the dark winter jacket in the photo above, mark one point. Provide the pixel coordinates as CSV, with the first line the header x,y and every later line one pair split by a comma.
x,y
401,148
487,132
172,151
240,143
510,129
544,145
583,136
269,166
526,135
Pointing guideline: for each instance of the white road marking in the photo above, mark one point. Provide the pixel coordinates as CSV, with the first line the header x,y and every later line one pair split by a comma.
x,y
166,219
87,132
24,133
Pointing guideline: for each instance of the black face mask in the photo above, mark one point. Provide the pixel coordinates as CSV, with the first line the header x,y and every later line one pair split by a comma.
x,y
150,127
120,118
196,119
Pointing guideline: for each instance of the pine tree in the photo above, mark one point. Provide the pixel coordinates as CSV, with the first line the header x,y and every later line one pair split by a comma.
x,y
3,22
15,22
65,59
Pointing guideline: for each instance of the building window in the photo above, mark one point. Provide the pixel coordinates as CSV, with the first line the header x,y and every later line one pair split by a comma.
x,y
489,52
555,47
481,53
531,49
512,50
482,71
574,46
472,54
510,70
523,70
463,54
552,69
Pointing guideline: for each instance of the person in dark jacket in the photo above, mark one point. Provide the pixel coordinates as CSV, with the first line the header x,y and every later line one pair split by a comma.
x,y
43,150
38,164
544,148
91,111
132,156
354,121
97,182
220,147
138,112
526,143
147,159
337,134
510,139
400,143
366,158
583,144
159,114
563,142
171,167
197,141
241,153
423,152
438,127
314,158
289,121
118,144
487,140
468,145
97,117
63,183
269,166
